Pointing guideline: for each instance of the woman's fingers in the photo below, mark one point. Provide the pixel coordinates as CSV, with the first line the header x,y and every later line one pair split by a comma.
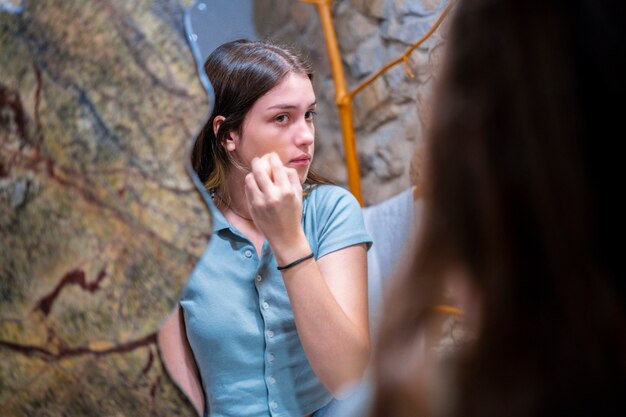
x,y
270,183
271,175
254,195
262,172
279,171
274,196
294,181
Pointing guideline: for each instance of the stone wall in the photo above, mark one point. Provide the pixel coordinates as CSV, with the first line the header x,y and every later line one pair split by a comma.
x,y
99,223
391,115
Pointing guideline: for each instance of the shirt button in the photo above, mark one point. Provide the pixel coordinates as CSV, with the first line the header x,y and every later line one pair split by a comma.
x,y
270,333
248,254
272,380
266,306
259,278
270,358
273,405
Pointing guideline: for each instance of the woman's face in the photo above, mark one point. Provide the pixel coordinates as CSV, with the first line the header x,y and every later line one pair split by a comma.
x,y
280,121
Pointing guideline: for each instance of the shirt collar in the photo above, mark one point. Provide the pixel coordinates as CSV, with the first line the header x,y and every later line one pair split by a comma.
x,y
219,221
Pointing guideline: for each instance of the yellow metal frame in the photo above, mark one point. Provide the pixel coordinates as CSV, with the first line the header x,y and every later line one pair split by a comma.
x,y
447,309
344,98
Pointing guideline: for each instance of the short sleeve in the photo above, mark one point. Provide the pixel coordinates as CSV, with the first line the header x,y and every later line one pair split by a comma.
x,y
339,220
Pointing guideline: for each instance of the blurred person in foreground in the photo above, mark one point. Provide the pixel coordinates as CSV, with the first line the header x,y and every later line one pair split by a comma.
x,y
522,221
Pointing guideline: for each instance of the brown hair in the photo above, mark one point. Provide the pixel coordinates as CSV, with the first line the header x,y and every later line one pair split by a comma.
x,y
516,195
240,73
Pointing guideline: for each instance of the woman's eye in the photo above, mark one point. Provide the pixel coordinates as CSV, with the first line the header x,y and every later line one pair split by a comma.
x,y
281,118
310,115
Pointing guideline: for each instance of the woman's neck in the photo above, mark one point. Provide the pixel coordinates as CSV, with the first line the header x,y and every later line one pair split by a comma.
x,y
235,200
238,213
235,208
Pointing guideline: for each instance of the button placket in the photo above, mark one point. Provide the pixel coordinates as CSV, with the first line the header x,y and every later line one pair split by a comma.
x,y
265,306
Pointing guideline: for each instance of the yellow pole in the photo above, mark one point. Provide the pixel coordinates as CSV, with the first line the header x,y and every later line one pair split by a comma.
x,y
405,56
446,309
343,99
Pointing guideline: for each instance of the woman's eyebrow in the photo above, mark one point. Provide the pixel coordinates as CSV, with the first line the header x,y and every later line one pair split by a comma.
x,y
287,106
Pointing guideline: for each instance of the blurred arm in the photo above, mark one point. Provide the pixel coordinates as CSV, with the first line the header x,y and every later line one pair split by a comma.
x,y
179,360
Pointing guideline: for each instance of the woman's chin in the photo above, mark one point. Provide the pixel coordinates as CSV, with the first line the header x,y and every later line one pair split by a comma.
x,y
303,175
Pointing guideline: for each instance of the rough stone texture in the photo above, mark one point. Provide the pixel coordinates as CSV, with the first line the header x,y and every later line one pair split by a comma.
x,y
391,115
99,223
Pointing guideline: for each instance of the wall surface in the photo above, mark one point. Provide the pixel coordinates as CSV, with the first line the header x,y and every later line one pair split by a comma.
x,y
391,115
99,223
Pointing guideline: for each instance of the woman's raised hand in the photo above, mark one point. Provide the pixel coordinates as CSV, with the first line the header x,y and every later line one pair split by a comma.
x,y
274,196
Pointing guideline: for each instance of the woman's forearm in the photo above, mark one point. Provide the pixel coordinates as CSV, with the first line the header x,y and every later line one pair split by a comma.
x,y
329,301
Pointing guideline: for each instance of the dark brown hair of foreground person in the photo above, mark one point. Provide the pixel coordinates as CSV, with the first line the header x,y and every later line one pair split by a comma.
x,y
523,193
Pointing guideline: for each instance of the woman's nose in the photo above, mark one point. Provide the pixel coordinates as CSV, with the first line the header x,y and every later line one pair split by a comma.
x,y
305,133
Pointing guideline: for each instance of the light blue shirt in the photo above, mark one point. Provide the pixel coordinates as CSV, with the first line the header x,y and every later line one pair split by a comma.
x,y
239,320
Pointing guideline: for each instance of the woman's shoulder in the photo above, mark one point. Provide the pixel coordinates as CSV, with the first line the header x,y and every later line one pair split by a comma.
x,y
329,193
330,201
334,216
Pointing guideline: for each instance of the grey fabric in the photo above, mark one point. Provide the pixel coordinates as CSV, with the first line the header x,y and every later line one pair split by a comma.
x,y
391,224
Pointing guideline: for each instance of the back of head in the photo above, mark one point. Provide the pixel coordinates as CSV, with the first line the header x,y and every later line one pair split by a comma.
x,y
520,182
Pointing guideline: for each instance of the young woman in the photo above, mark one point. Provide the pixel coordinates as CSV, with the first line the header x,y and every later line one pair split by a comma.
x,y
275,313
521,219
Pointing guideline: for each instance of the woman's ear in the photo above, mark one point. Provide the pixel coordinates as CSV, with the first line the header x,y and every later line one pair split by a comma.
x,y
229,143
217,122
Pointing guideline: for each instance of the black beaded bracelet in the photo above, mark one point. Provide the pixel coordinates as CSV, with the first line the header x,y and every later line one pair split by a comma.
x,y
296,262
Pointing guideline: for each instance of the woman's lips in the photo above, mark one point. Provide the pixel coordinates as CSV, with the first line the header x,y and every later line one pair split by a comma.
x,y
301,160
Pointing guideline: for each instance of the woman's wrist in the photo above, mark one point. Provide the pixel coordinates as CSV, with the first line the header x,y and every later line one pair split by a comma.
x,y
288,251
296,262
